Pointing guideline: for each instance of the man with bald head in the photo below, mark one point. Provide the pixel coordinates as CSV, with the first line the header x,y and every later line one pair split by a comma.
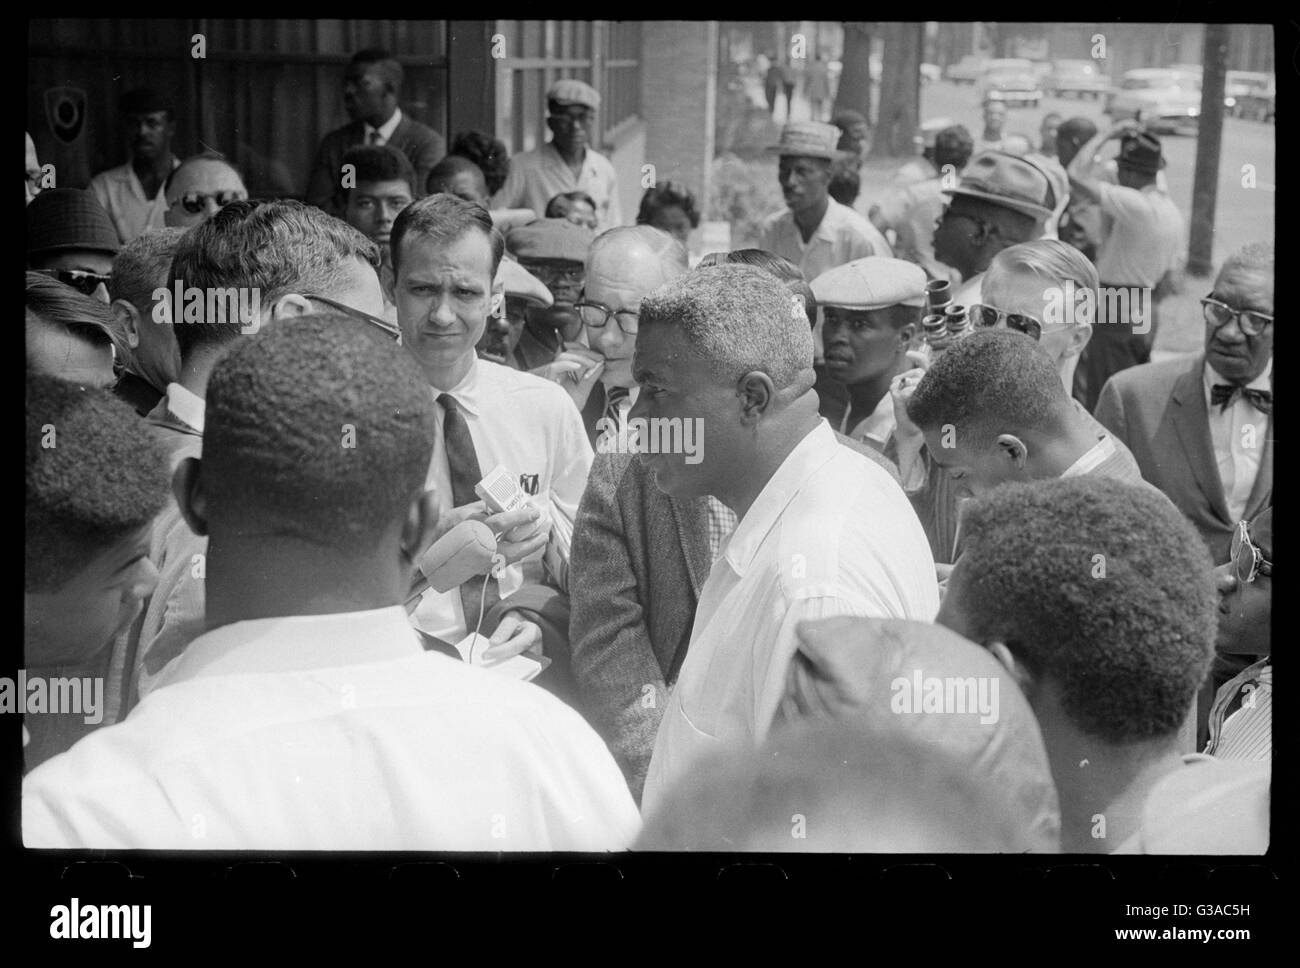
x,y
200,187
822,529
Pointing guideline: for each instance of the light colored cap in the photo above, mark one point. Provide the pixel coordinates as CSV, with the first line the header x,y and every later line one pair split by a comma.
x,y
571,91
875,282
808,139
518,282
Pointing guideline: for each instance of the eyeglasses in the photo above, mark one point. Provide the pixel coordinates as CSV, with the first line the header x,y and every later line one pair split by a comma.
x,y
596,315
988,316
1219,314
388,328
579,119
1247,560
196,202
79,279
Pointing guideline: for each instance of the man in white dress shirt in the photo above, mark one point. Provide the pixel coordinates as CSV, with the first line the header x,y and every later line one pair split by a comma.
x,y
133,192
822,529
308,717
445,256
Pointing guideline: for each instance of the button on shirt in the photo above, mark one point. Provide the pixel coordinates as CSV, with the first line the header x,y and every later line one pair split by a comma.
x,y
829,534
333,732
123,197
1142,236
1237,435
842,236
530,426
539,175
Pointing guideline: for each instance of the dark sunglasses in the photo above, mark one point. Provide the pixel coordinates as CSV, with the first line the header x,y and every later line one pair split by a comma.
x,y
988,316
195,202
389,329
79,279
1219,314
1247,560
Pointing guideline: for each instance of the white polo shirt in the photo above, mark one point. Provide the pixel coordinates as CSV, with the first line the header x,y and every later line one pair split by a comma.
x,y
120,192
333,732
539,175
842,236
830,534
530,426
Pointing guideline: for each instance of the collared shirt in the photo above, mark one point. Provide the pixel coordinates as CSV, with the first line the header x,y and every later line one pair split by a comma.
x,y
531,427
334,732
1142,236
186,404
385,130
829,534
1096,455
1237,435
539,175
842,236
721,522
1241,719
120,192
875,428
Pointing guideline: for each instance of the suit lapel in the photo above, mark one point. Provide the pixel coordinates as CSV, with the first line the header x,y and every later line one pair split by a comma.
x,y
1192,421
692,520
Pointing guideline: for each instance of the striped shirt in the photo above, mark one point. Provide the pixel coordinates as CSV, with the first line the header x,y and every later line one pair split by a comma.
x,y
1241,719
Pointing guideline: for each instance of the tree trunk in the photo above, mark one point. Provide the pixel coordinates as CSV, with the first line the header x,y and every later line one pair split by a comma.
x,y
900,90
1200,251
854,91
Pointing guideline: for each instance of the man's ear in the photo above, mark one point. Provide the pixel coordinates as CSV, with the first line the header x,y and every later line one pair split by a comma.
x,y
756,394
289,305
187,486
497,306
1023,677
906,335
1079,338
421,526
1013,448
128,320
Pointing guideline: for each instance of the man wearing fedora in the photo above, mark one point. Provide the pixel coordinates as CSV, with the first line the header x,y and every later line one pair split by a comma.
x,y
71,237
1140,252
1000,201
566,163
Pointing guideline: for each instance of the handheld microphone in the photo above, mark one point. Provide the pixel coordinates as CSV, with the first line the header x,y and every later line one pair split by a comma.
x,y
464,552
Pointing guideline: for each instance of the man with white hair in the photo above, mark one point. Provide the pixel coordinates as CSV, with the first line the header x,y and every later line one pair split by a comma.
x,y
822,530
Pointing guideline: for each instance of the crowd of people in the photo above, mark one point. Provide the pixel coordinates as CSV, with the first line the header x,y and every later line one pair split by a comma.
x,y
445,510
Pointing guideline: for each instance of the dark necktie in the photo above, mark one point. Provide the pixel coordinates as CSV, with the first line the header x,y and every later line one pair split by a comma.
x,y
1222,395
614,397
462,462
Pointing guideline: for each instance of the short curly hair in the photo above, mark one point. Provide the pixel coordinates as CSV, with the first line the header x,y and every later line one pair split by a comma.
x,y
665,194
489,153
990,382
321,428
1101,586
95,475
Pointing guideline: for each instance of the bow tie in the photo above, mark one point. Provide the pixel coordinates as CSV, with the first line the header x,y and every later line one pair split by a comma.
x,y
1222,395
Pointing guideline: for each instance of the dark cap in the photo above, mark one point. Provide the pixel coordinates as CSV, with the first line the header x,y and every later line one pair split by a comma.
x,y
63,219
550,238
1141,152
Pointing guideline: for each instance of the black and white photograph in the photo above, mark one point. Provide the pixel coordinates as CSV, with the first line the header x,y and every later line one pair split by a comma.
x,y
615,438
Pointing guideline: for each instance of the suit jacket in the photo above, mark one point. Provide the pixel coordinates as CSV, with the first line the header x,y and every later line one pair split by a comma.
x,y
638,563
420,143
1159,410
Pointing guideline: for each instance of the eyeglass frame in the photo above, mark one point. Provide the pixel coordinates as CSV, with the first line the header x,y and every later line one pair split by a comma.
x,y
616,313
204,196
1236,314
389,329
103,278
1008,316
1259,565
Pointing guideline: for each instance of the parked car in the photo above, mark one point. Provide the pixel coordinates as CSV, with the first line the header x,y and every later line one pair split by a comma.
x,y
1079,78
1010,87
1242,90
967,70
1164,99
1010,64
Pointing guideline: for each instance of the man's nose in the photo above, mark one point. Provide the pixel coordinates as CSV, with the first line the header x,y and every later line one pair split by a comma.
x,y
441,312
101,293
610,338
1230,332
